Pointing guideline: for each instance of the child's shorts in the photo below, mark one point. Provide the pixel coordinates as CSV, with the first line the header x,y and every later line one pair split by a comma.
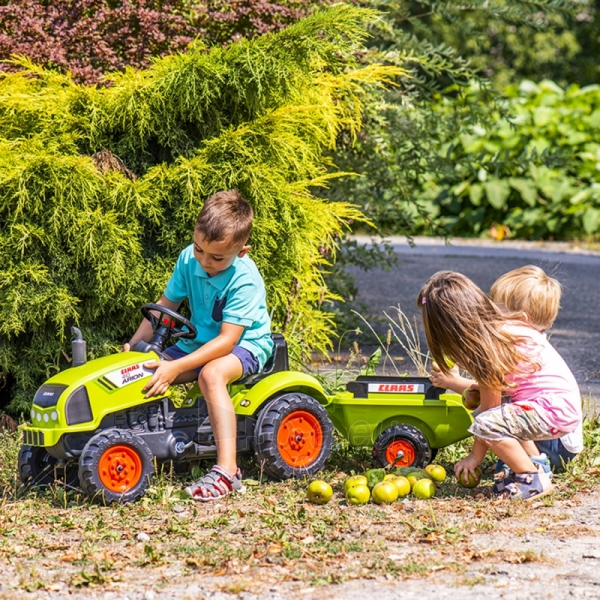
x,y
249,361
520,421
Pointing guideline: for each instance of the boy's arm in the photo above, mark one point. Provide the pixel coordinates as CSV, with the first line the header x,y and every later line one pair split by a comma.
x,y
144,331
167,371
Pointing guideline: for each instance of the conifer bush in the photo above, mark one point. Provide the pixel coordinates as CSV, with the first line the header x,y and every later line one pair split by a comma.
x,y
87,245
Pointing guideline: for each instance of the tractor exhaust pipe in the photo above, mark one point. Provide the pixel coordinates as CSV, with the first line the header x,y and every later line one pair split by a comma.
x,y
78,348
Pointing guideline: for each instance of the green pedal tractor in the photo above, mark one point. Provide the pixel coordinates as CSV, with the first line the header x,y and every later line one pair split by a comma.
x,y
92,427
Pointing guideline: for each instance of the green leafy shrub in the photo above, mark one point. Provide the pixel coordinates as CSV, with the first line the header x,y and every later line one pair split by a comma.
x,y
535,168
87,243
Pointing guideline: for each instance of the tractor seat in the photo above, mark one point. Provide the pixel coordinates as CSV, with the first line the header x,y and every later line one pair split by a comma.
x,y
278,362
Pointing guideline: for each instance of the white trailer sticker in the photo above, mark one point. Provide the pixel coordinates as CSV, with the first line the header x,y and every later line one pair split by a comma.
x,y
397,388
127,375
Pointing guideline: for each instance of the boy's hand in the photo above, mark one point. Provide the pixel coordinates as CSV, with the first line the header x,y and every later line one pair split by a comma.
x,y
126,347
165,374
467,465
440,380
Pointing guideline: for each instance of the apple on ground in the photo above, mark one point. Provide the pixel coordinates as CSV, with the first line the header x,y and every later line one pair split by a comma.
x,y
437,472
319,492
384,493
402,486
354,480
358,494
424,488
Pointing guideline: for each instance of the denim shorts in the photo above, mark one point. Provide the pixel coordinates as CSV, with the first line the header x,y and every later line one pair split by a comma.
x,y
249,361
559,456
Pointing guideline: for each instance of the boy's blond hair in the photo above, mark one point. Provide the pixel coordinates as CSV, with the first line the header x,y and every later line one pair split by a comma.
x,y
531,291
225,215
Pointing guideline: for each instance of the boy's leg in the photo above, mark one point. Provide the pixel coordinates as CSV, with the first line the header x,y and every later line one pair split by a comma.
x,y
559,456
213,381
175,352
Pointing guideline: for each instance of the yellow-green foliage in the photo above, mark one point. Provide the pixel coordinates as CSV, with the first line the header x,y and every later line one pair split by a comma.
x,y
79,246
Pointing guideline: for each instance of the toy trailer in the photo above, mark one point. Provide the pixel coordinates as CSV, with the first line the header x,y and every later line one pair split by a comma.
x,y
406,419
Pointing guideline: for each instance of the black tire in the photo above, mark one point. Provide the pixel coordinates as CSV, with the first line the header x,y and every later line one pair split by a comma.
x,y
311,447
37,468
407,438
112,476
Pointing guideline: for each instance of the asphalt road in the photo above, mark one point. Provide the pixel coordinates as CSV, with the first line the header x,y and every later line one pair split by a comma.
x,y
576,332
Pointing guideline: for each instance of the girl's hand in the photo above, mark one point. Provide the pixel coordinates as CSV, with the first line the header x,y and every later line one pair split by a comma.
x,y
166,372
467,465
446,382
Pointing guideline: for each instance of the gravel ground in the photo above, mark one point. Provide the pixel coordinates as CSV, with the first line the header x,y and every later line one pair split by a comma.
x,y
544,552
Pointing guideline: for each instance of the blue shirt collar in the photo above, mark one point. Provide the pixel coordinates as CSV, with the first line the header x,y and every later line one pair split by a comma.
x,y
221,280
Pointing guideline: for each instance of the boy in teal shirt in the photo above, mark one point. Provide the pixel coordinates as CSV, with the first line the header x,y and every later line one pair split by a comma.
x,y
227,299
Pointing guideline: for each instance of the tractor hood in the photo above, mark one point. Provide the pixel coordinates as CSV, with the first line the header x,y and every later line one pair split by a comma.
x,y
78,398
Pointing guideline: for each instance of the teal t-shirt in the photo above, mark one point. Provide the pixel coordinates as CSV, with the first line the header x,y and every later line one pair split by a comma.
x,y
236,295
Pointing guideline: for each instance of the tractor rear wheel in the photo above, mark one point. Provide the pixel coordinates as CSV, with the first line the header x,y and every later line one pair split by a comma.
x,y
37,468
116,466
293,436
402,445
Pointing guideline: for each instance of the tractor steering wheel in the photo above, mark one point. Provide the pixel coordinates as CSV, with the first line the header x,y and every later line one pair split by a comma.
x,y
168,325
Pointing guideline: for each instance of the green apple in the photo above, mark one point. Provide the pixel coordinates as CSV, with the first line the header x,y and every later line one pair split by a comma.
x,y
424,488
470,481
358,494
384,493
319,492
354,480
437,472
402,486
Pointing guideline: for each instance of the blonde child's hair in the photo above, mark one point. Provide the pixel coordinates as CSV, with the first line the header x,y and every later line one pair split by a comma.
x,y
462,323
531,291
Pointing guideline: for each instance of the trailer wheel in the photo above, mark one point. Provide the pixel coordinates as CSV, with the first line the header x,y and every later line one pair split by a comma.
x,y
37,468
404,444
116,466
293,436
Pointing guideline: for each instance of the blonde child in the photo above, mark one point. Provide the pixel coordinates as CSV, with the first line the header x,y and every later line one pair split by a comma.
x,y
534,297
504,356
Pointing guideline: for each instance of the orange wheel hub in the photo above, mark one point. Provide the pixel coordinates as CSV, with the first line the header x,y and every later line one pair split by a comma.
x,y
120,468
406,459
300,438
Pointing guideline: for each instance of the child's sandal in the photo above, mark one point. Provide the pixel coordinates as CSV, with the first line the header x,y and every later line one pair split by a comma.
x,y
528,486
501,480
216,484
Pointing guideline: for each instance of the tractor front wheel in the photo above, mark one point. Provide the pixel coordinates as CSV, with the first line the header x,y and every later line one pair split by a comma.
x,y
37,468
116,466
293,436
403,446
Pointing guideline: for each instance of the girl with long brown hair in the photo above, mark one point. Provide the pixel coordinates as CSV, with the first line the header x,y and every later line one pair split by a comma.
x,y
505,357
